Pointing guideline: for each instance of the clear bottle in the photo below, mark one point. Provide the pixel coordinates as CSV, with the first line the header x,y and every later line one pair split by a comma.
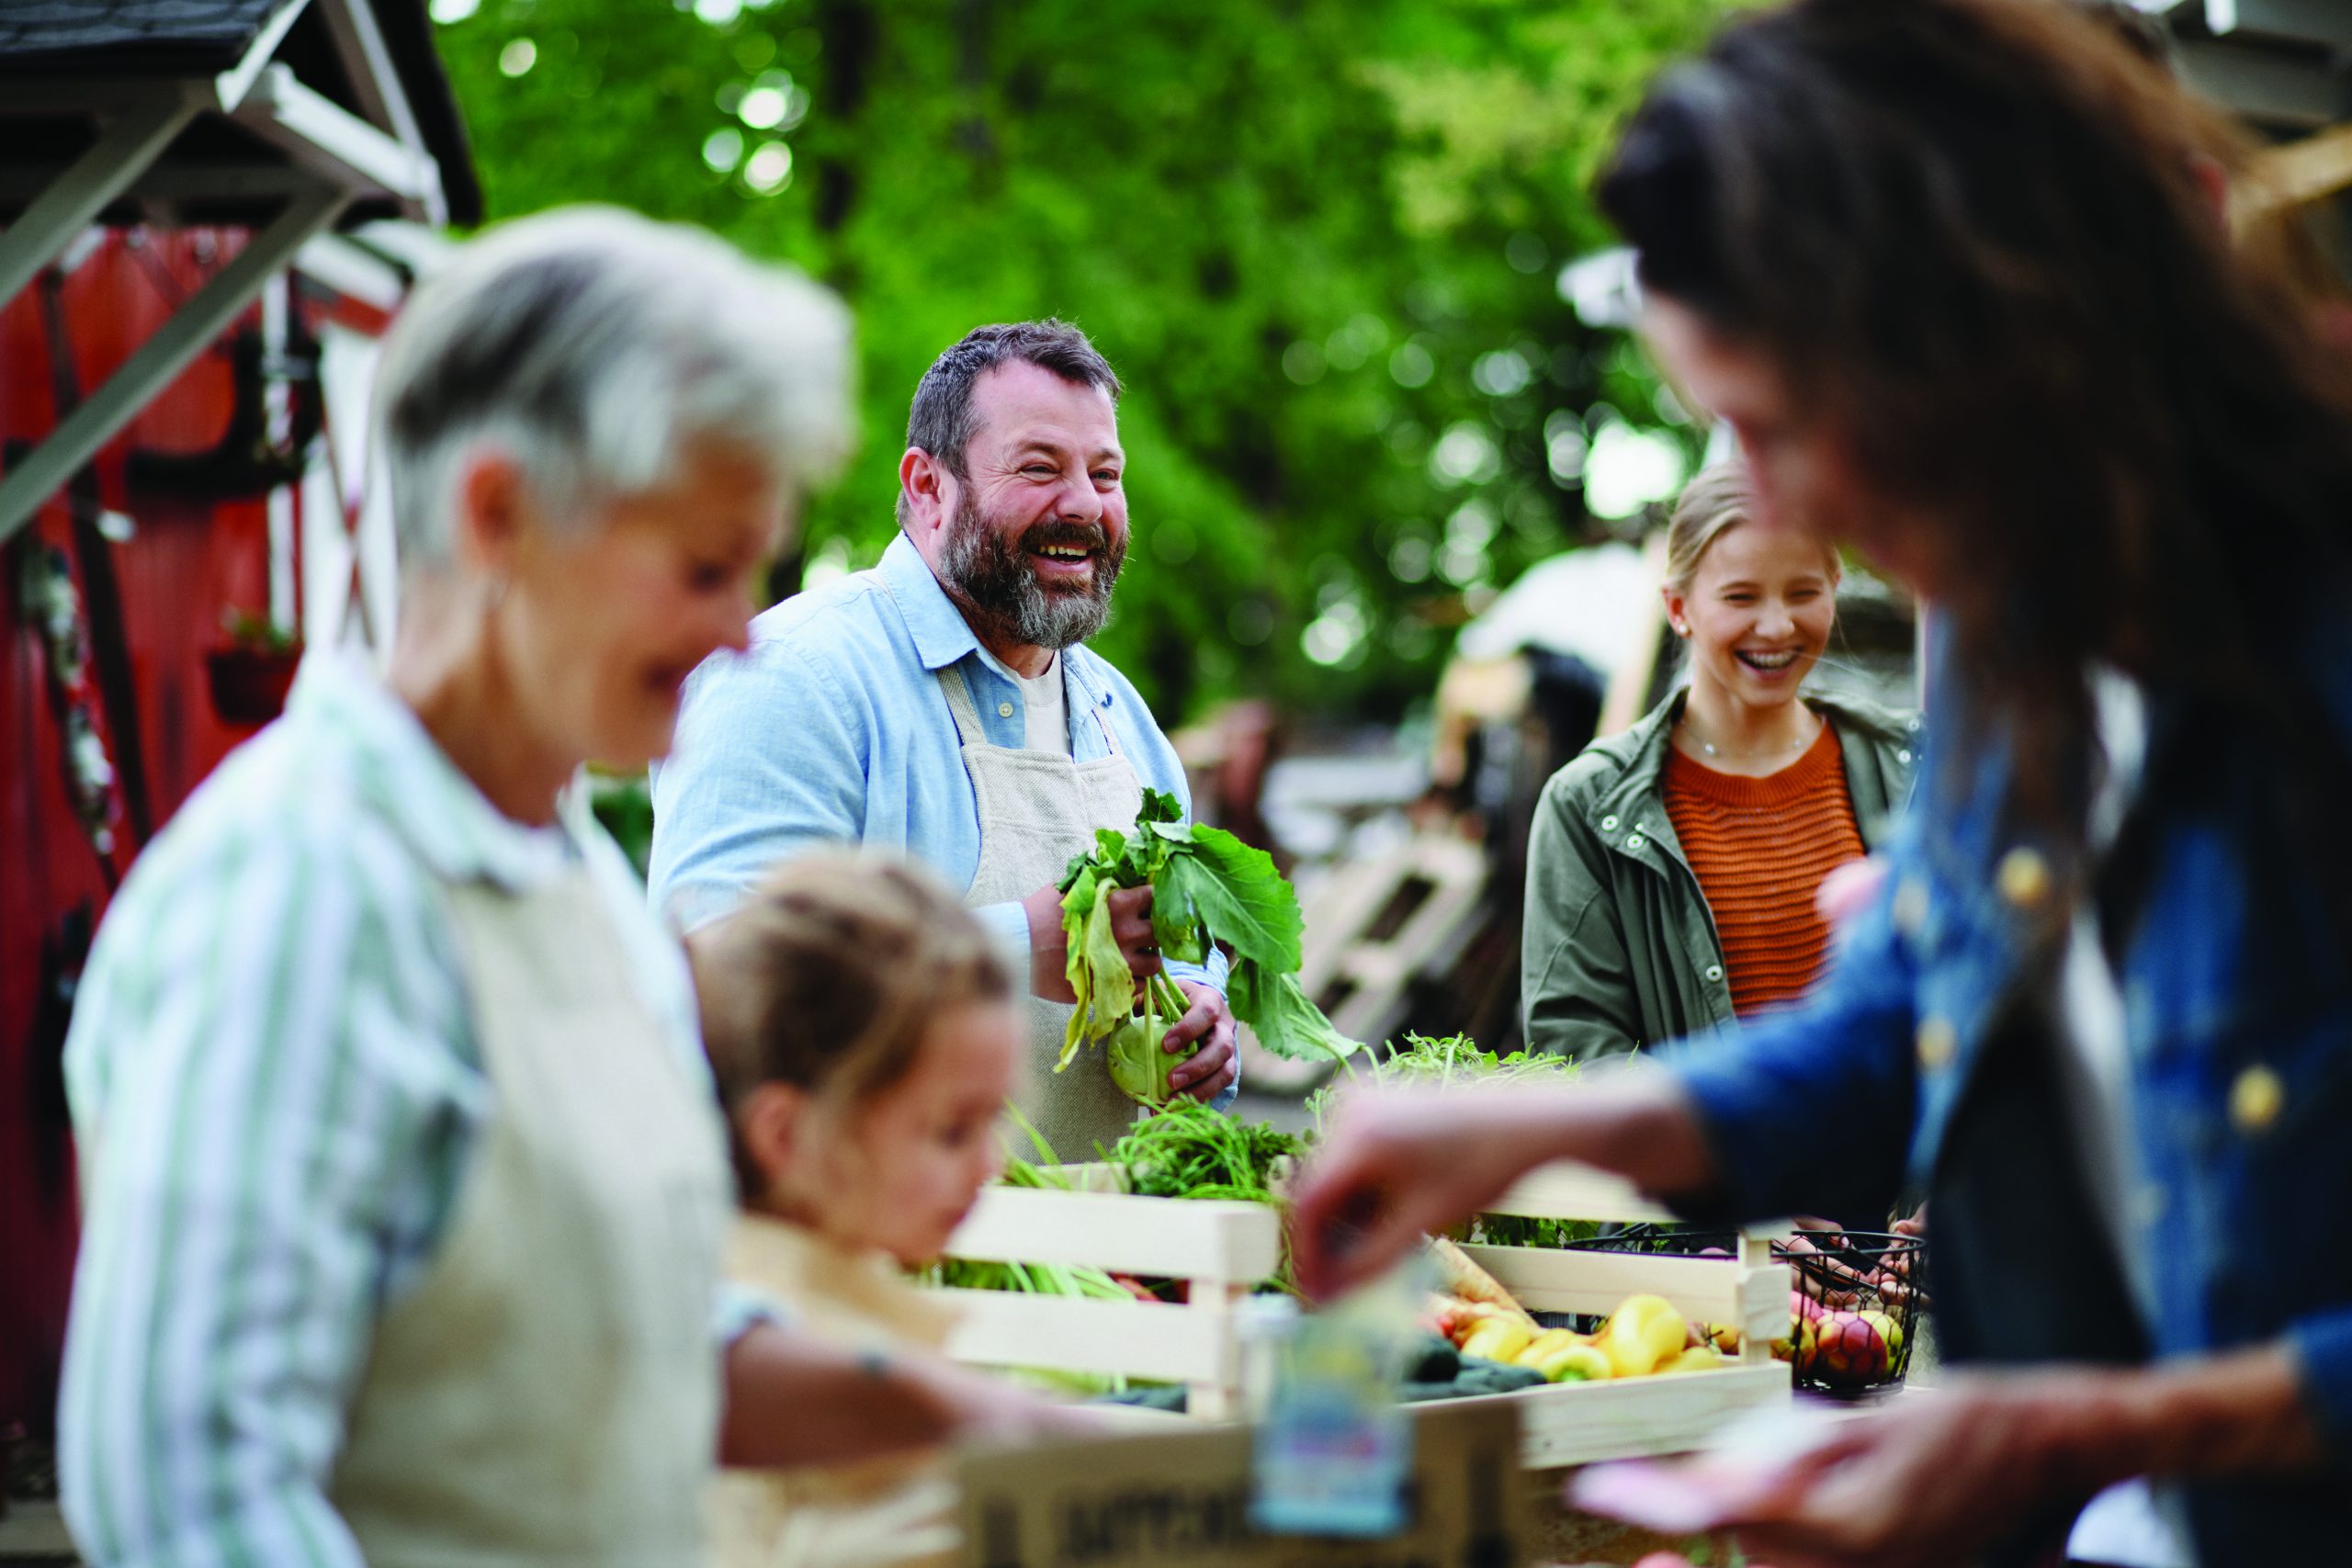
x,y
1334,1449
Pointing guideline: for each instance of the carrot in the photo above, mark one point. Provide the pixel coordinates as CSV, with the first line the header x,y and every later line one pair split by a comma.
x,y
1464,1278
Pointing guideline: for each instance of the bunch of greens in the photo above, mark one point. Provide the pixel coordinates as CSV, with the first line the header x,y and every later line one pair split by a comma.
x,y
1194,1151
1191,1150
1455,1059
1203,880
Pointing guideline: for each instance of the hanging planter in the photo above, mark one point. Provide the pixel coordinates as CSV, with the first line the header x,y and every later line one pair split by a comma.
x,y
251,676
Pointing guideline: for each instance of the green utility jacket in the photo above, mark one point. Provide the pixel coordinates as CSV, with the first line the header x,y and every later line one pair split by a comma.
x,y
1618,948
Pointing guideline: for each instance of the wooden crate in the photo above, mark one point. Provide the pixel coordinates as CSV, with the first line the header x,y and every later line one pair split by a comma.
x,y
1568,1423
1221,1250
1218,1249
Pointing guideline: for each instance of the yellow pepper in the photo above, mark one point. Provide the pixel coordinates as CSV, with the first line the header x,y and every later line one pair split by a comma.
x,y
1578,1362
1642,1335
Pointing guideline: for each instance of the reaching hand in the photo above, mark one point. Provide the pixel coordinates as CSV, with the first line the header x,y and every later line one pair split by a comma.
x,y
1399,1165
1928,1485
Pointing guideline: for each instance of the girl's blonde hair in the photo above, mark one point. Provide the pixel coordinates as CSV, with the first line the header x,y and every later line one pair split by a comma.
x,y
827,976
1718,496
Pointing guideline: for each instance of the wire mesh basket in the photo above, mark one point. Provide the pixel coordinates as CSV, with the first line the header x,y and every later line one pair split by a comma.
x,y
1856,1297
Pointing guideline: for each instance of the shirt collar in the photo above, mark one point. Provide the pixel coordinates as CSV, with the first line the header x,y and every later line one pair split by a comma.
x,y
942,634
411,782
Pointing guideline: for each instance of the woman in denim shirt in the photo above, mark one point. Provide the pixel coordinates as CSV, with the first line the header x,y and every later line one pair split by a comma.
x,y
1958,273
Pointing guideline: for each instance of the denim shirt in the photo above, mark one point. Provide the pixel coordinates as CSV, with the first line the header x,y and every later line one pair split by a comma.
x,y
2238,1009
832,729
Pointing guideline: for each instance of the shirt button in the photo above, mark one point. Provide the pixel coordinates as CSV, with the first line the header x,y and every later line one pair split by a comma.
x,y
1938,1042
1714,971
1609,823
1910,910
1635,841
1004,710
1903,754
2024,878
2255,1099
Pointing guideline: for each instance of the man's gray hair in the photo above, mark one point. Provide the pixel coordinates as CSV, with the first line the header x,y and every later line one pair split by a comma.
x,y
596,348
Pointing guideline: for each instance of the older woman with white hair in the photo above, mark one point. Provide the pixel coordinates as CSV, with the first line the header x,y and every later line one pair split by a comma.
x,y
405,1183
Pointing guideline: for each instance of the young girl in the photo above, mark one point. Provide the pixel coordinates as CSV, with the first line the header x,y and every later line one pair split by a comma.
x,y
864,1036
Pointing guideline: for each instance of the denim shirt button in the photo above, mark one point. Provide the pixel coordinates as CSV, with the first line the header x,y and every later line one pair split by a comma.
x,y
1938,1042
2256,1100
2024,878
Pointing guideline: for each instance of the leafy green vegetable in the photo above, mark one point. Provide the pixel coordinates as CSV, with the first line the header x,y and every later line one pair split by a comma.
x,y
1206,885
1448,1060
1191,1150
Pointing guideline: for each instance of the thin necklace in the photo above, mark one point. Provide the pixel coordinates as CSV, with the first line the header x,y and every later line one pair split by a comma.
x,y
1709,748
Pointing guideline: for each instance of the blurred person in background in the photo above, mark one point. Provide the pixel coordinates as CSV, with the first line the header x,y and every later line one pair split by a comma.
x,y
1672,869
1952,272
944,704
405,1179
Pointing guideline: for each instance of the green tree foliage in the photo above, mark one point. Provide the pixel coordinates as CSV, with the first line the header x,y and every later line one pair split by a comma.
x,y
1319,239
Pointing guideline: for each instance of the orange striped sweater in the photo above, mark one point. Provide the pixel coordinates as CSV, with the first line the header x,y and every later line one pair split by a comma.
x,y
1761,848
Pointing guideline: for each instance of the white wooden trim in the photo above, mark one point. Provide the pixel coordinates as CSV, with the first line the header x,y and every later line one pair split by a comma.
x,y
1139,1339
1224,1243
1565,1423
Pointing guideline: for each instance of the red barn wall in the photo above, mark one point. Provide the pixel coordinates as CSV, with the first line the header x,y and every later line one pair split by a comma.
x,y
189,562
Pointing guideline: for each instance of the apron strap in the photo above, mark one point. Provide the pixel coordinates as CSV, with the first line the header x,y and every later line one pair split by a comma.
x,y
967,713
959,704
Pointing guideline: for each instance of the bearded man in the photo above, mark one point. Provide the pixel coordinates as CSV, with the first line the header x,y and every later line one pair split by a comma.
x,y
942,704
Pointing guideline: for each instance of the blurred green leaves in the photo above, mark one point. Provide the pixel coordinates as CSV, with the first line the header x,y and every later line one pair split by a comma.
x,y
1319,238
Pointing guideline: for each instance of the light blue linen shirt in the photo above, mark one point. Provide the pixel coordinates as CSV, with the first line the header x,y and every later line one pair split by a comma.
x,y
831,728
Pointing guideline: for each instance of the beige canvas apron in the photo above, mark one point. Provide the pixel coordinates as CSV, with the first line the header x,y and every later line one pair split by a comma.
x,y
548,1393
1037,809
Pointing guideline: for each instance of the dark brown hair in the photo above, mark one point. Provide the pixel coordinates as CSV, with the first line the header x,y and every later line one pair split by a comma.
x,y
940,421
829,974
1974,231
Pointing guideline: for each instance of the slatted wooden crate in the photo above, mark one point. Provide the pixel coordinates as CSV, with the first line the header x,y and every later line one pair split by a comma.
x,y
1569,1424
1218,1249
1221,1250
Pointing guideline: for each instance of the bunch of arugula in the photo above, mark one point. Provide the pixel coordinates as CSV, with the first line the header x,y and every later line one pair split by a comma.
x,y
1203,880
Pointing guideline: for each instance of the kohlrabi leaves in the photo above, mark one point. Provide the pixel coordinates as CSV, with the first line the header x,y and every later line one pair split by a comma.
x,y
1243,899
1207,885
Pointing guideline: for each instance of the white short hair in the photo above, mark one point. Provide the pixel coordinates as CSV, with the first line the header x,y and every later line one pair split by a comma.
x,y
594,347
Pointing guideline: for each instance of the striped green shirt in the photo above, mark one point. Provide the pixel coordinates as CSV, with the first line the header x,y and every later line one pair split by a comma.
x,y
276,1087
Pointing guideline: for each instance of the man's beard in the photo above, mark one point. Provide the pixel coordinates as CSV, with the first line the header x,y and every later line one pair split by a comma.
x,y
990,569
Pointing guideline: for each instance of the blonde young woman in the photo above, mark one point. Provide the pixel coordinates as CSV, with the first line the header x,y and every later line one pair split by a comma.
x,y
1672,869
405,1179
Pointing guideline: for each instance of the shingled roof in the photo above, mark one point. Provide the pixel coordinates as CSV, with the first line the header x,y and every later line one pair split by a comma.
x,y
118,40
